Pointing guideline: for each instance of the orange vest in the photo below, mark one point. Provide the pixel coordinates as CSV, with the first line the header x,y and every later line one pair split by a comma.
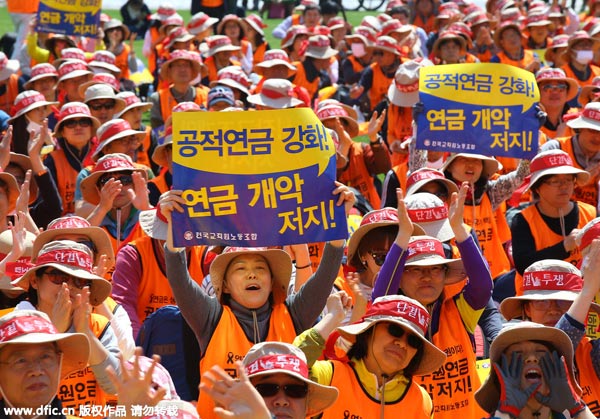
x,y
66,178
135,233
380,86
357,175
399,126
300,80
229,344
211,66
545,237
22,6
12,90
356,66
121,62
527,59
587,193
160,183
81,388
259,53
168,102
401,170
154,291
588,380
355,402
244,49
211,3
296,19
595,72
428,24
142,154
492,231
452,387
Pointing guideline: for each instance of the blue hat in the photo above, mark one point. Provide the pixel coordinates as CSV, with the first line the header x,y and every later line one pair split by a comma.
x,y
220,94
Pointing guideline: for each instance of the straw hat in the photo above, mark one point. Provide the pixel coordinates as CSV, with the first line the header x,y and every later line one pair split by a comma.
x,y
554,162
255,22
34,327
384,217
405,89
73,110
219,43
431,214
200,22
108,163
71,69
406,313
114,130
72,258
279,263
272,58
558,74
7,67
132,101
275,93
490,164
319,47
16,269
197,66
73,224
547,279
419,178
100,78
488,395
29,100
117,24
335,111
41,71
290,360
13,189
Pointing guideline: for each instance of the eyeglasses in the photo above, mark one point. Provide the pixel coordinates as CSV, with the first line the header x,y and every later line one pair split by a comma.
x,y
83,122
294,391
562,305
130,139
558,183
59,278
557,86
397,332
125,179
422,271
99,106
47,360
378,257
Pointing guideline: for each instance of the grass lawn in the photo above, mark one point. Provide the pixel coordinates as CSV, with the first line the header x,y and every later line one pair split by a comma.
x,y
353,17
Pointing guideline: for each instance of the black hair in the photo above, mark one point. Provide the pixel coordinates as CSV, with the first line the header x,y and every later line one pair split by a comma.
x,y
311,7
20,135
330,8
403,10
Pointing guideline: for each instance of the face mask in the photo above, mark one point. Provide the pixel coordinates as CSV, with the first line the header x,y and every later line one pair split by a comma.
x,y
358,49
33,126
585,56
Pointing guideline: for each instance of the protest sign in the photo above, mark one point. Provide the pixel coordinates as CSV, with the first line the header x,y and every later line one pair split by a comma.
x,y
262,178
478,108
69,17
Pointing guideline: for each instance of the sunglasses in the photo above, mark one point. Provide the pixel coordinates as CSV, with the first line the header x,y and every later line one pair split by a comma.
x,y
559,86
100,106
378,257
124,179
83,122
59,278
294,391
397,332
562,305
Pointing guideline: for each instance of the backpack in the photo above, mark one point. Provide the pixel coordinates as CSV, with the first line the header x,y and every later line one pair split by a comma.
x,y
166,333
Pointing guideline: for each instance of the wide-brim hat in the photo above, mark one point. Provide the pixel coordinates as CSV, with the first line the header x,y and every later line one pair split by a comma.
x,y
292,362
197,67
386,44
399,312
132,102
41,71
96,234
49,43
24,162
557,74
35,328
445,37
504,26
220,43
319,47
152,224
423,176
100,288
15,269
159,155
200,22
279,263
114,130
76,114
80,68
279,96
554,162
255,22
431,214
404,90
490,164
13,190
117,24
29,100
384,217
588,118
488,395
272,62
586,90
292,33
103,91
335,111
429,258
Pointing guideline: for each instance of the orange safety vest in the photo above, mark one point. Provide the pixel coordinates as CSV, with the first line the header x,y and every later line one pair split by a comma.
x,y
296,19
527,59
355,402
259,53
399,126
452,387
121,61
161,183
544,237
492,231
357,175
22,6
315,252
168,102
380,86
401,170
211,66
229,344
569,73
356,66
135,233
66,178
244,49
81,388
142,156
587,193
428,24
300,80
12,90
211,3
588,380
154,290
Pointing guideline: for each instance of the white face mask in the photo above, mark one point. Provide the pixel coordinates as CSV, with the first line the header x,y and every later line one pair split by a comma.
x,y
584,56
33,126
358,49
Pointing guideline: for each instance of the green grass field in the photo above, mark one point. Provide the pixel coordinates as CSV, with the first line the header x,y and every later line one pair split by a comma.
x,y
353,17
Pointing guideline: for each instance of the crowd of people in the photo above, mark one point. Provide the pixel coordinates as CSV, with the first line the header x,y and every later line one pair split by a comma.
x,y
450,259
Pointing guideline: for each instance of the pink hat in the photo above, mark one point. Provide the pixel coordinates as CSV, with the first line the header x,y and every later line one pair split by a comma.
x,y
272,58
113,130
173,20
70,54
537,18
71,69
40,71
29,100
364,34
179,54
219,43
336,111
201,22
292,33
558,74
230,18
234,77
105,60
132,101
